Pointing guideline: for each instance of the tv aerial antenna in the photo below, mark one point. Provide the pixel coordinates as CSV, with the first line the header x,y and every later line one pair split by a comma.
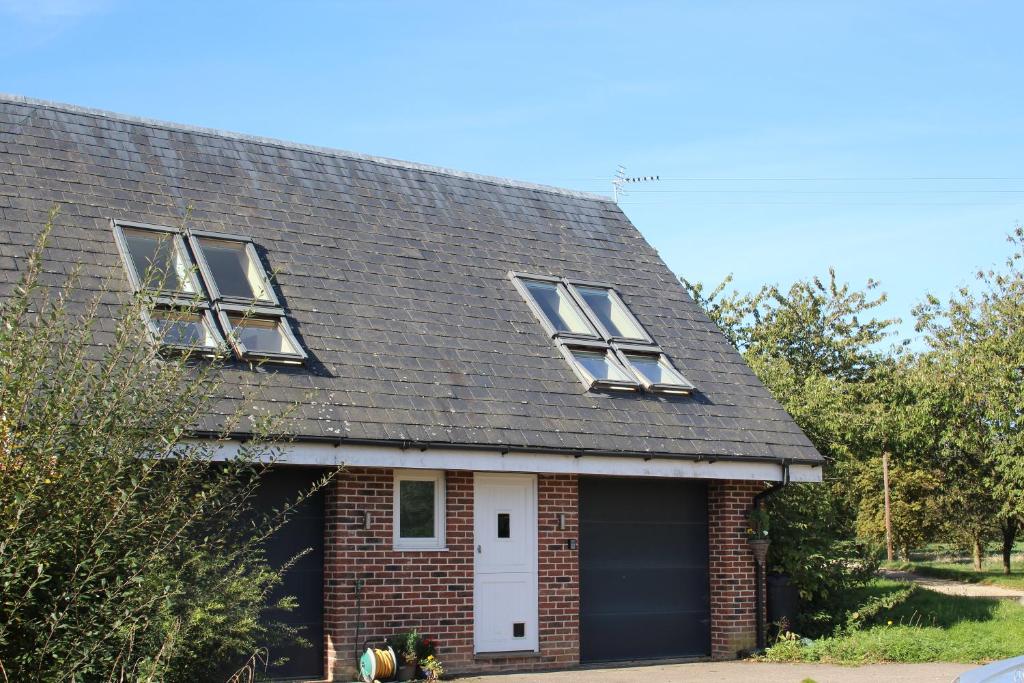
x,y
620,181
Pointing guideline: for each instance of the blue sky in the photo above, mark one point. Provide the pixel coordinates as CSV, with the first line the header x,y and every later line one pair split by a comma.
x,y
884,139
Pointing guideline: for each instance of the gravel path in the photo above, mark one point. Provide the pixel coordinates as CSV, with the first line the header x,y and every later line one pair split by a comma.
x,y
950,587
743,672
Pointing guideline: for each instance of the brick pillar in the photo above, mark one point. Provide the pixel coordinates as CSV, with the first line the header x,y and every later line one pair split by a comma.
x,y
731,566
559,570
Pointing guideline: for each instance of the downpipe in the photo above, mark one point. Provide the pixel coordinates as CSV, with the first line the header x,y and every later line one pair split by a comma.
x,y
760,571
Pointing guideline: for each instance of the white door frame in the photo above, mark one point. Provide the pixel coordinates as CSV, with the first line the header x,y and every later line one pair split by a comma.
x,y
532,641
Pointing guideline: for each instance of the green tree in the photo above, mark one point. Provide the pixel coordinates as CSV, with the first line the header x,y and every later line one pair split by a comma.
x,y
977,337
815,347
124,552
917,514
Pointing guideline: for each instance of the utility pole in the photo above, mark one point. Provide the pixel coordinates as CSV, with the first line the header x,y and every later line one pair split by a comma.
x,y
888,512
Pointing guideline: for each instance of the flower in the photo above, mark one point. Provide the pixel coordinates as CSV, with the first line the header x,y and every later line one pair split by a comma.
x,y
890,622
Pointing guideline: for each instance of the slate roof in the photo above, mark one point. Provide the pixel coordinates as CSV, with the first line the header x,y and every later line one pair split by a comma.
x,y
395,278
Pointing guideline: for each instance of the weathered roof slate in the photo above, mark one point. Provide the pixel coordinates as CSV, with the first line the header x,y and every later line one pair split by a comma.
x,y
395,278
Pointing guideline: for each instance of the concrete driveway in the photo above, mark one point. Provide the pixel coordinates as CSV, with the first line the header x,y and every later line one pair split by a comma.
x,y
743,672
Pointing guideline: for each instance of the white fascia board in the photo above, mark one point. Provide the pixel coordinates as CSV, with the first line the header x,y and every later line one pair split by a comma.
x,y
328,455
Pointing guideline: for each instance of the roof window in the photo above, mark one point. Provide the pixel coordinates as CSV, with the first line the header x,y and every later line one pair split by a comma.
x,y
611,313
185,329
600,368
656,373
557,308
262,337
157,261
238,294
232,269
600,337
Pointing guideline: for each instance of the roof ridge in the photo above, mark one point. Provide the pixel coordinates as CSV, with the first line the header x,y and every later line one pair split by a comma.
x,y
286,144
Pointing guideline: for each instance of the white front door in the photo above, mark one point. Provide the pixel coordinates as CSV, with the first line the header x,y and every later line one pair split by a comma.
x,y
505,585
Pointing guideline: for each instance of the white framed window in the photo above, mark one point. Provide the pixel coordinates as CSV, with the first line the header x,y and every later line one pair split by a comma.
x,y
419,510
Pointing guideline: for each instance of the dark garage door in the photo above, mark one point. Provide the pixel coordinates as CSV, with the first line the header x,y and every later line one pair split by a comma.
x,y
305,579
643,569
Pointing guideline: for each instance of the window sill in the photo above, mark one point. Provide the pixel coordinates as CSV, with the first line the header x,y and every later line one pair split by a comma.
x,y
407,549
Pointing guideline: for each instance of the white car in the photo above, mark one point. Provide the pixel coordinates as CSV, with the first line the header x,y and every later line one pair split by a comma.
x,y
1003,671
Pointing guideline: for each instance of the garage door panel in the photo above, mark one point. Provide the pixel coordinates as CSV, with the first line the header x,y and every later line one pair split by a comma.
x,y
643,569
303,532
617,544
672,498
647,636
654,590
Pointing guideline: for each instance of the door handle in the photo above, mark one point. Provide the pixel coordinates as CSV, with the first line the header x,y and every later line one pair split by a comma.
x,y
479,550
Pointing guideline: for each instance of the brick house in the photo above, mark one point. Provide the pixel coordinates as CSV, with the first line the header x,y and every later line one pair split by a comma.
x,y
549,450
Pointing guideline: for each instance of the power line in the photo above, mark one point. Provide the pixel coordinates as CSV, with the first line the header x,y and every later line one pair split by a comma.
x,y
786,203
807,178
751,191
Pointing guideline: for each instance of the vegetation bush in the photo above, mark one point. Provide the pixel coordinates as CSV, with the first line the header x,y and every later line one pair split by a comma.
x,y
125,553
903,624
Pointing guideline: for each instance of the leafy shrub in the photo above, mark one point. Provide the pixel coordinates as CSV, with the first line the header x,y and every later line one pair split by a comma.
x,y
868,613
810,545
125,554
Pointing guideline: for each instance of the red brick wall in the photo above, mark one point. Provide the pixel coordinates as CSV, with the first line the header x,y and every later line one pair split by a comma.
x,y
559,570
733,588
433,590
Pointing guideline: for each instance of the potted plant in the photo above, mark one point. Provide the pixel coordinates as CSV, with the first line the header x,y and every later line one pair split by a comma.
x,y
757,532
412,650
406,663
409,650
432,668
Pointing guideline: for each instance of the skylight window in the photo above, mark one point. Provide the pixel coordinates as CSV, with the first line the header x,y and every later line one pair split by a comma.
x,y
657,373
262,337
611,313
240,293
600,337
558,308
232,269
600,368
157,260
184,329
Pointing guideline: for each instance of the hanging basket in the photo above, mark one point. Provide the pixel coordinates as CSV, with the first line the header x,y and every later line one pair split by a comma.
x,y
759,546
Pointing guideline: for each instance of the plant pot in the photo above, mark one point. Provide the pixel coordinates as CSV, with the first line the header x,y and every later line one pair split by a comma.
x,y
759,546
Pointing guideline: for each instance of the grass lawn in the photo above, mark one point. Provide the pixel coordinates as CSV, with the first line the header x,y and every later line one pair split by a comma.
x,y
927,627
991,573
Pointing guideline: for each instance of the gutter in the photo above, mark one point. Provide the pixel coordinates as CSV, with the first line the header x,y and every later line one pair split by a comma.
x,y
774,488
504,449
